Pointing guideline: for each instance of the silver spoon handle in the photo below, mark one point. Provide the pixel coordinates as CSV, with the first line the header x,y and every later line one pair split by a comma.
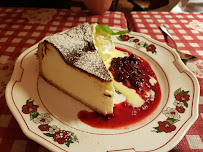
x,y
165,30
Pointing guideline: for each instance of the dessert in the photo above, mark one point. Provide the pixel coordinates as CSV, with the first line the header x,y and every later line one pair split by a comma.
x,y
70,62
135,79
84,63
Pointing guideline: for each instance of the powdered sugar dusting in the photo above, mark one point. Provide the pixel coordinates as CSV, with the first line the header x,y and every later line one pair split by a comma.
x,y
72,41
90,61
76,46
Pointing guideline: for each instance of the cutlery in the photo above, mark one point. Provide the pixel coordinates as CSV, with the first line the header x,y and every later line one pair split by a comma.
x,y
184,57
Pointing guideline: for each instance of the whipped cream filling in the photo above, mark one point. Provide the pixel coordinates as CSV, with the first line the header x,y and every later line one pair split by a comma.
x,y
103,42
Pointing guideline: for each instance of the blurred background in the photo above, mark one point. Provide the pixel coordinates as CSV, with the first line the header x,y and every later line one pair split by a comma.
x,y
117,5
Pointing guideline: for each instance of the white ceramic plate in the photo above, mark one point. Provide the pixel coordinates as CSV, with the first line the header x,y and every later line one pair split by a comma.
x,y
39,106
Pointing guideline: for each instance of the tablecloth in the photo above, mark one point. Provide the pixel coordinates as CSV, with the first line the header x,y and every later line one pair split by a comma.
x,y
187,29
20,28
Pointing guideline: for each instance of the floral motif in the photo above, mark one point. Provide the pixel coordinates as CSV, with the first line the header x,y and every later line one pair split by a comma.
x,y
182,97
178,103
44,127
61,136
29,107
53,129
180,109
58,135
136,40
43,119
173,114
137,43
151,48
166,126
125,37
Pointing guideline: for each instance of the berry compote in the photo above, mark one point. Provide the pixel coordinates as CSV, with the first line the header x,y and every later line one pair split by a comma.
x,y
135,73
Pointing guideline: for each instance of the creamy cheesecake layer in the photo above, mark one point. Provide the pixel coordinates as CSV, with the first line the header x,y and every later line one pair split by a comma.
x,y
93,92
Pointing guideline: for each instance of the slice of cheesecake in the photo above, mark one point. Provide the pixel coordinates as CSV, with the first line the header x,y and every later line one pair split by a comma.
x,y
70,62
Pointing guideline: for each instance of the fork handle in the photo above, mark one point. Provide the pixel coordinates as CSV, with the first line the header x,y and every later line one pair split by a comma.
x,y
165,30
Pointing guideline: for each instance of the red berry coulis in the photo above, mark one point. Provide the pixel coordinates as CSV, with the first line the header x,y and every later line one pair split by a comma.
x,y
134,72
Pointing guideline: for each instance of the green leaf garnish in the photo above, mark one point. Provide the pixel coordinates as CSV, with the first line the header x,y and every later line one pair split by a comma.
x,y
107,29
121,32
49,135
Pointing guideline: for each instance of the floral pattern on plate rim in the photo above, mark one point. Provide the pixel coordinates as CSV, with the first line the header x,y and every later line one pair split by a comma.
x,y
137,43
173,114
43,119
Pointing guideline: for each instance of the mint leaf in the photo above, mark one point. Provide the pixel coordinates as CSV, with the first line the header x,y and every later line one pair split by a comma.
x,y
177,91
105,28
33,115
185,104
49,135
122,32
172,121
108,30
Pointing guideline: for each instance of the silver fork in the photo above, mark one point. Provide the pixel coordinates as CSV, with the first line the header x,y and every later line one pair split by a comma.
x,y
184,57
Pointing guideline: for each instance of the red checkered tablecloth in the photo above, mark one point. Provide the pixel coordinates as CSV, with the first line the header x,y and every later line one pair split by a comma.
x,y
187,29
20,28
